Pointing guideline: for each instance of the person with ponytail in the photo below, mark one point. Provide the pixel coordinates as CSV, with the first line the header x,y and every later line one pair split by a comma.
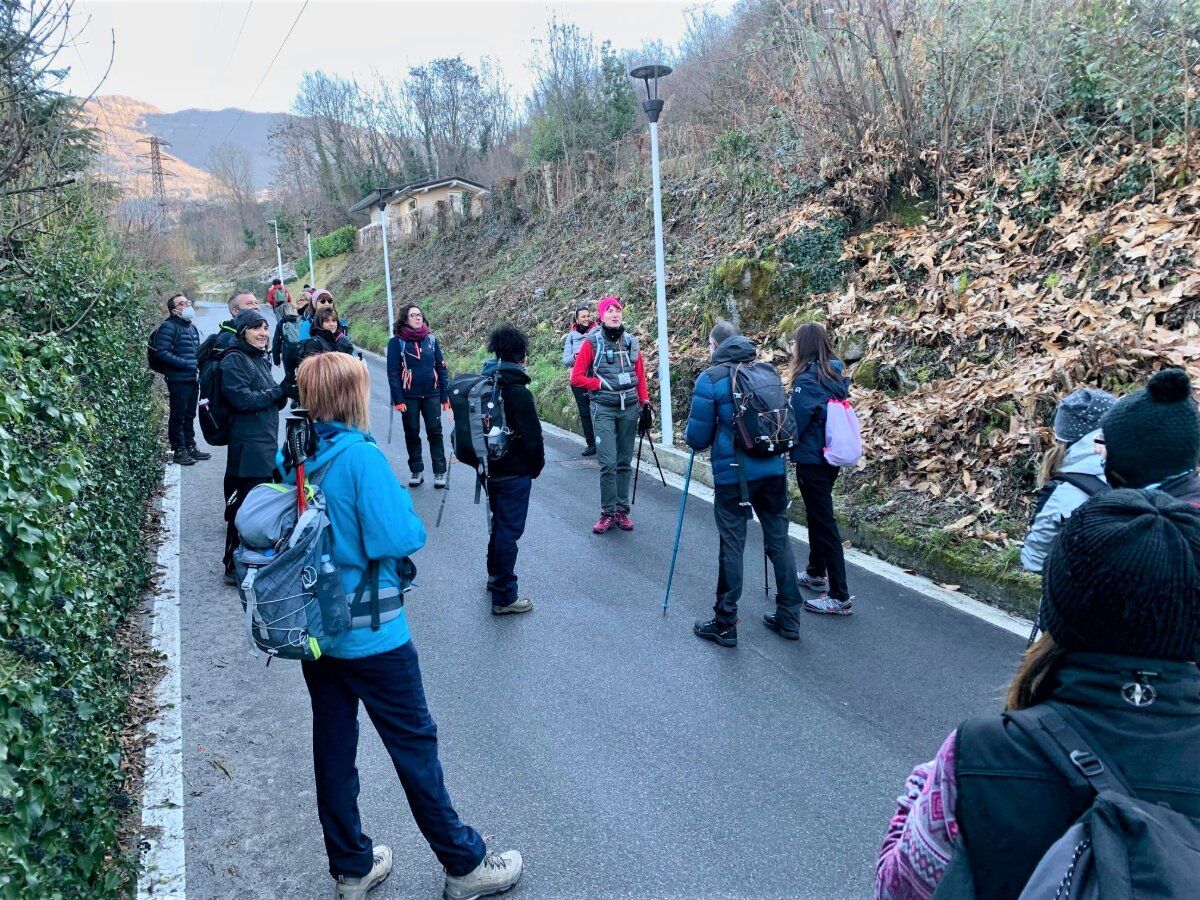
x,y
1121,607
815,378
1072,470
418,380
581,324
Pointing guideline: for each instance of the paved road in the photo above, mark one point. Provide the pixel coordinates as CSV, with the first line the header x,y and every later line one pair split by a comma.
x,y
622,756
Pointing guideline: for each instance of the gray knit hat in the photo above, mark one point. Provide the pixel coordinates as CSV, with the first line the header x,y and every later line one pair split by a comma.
x,y
1080,412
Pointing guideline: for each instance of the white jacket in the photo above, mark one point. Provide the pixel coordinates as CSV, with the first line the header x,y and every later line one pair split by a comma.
x,y
1081,459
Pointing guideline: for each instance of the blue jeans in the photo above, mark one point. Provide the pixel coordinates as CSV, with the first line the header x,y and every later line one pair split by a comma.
x,y
509,501
389,686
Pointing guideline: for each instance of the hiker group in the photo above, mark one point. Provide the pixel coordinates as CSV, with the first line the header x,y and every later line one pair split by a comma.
x,y
1091,774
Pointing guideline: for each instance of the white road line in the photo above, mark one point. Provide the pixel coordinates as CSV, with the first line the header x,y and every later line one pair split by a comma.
x,y
916,583
164,875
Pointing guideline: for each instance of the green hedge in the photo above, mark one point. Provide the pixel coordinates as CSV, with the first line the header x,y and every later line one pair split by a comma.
x,y
333,244
79,461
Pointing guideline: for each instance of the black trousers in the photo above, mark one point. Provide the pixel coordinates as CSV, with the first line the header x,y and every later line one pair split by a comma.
x,y
584,404
236,489
389,686
825,554
768,498
181,421
429,409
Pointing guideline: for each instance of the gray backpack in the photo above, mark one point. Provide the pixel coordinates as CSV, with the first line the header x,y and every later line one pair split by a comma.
x,y
290,588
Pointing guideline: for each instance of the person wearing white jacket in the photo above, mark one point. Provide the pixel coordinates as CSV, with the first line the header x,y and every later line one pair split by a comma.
x,y
581,324
1072,473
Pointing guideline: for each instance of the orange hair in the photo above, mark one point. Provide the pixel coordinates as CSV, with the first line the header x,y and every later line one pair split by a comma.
x,y
336,387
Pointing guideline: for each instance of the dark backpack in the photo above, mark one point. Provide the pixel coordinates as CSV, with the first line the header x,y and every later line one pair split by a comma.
x,y
1089,484
213,414
763,422
1122,847
480,435
152,360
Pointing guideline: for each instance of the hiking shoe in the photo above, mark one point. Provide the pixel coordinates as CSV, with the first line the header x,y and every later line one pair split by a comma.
x,y
196,453
623,521
439,480
231,577
813,583
517,606
416,479
183,458
604,523
491,583
712,630
495,875
588,451
772,621
356,888
826,605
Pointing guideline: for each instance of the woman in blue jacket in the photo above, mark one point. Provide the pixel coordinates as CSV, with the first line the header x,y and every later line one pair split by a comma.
x,y
816,378
418,379
372,520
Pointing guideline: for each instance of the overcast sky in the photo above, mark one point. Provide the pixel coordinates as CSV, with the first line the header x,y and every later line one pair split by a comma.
x,y
177,54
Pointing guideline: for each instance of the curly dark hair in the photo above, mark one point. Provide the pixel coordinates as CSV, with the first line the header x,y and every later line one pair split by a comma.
x,y
508,343
402,318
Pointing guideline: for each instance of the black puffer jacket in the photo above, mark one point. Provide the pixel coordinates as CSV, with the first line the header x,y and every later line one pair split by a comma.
x,y
254,399
324,342
527,451
177,345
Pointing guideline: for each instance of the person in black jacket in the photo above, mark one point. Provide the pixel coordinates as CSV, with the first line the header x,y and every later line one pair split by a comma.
x,y
327,335
418,380
1121,605
254,399
510,478
816,377
177,349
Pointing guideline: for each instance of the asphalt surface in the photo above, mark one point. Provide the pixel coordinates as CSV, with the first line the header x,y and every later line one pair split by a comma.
x,y
622,756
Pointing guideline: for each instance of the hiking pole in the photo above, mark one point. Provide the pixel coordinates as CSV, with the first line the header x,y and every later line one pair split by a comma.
x,y
678,530
391,416
445,494
297,442
766,585
637,469
657,463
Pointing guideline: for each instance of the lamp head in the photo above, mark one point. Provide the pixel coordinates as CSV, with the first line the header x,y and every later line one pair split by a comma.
x,y
650,75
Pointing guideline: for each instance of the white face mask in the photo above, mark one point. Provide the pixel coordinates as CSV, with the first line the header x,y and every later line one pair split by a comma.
x,y
187,314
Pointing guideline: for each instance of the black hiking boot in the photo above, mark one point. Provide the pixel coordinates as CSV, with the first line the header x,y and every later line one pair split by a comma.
x,y
589,451
771,620
196,453
712,630
183,458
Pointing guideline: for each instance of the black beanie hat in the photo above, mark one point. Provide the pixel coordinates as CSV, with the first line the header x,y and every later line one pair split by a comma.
x,y
1154,433
247,318
1124,577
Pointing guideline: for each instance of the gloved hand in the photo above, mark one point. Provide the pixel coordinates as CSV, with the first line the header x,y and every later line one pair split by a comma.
x,y
646,420
446,405
401,407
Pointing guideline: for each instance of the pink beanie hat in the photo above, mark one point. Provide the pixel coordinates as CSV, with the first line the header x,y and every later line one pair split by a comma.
x,y
604,305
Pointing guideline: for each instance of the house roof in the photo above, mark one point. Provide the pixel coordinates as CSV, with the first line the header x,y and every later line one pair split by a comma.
x,y
395,194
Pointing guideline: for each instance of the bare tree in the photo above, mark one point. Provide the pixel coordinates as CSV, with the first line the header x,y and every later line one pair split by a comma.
x,y
233,169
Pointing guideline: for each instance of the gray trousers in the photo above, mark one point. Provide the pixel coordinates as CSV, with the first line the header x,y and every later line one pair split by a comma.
x,y
616,431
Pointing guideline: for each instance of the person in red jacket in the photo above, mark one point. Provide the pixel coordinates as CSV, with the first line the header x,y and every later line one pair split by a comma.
x,y
277,294
610,367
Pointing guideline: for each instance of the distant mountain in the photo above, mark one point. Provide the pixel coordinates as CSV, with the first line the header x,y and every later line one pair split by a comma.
x,y
192,133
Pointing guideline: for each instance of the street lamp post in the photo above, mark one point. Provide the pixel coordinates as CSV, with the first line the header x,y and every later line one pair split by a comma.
x,y
387,266
312,275
653,107
278,250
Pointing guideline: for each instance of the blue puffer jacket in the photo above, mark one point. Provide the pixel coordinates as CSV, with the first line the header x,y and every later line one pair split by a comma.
x,y
427,375
810,394
372,518
710,422
177,346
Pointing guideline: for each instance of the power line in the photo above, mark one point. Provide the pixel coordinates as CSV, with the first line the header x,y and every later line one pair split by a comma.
x,y
262,80
236,41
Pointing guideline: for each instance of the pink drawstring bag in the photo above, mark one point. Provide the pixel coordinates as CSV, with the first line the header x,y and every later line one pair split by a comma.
x,y
843,434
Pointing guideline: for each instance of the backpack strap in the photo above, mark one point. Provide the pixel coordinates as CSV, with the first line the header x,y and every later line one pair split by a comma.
x,y
1072,754
370,579
1089,484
